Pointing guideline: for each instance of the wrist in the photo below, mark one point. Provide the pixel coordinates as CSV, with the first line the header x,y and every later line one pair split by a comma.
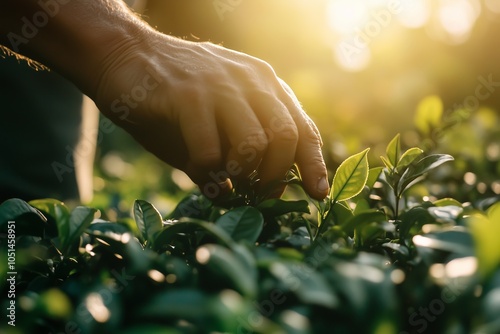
x,y
76,38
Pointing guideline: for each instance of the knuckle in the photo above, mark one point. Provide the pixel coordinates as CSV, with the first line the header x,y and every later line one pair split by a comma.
x,y
257,139
311,133
288,134
207,158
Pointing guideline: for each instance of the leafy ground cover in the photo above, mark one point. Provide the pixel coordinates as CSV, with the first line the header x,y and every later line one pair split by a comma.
x,y
380,255
369,259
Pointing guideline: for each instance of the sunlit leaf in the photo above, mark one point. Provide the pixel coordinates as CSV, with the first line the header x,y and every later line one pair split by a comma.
x,y
393,151
387,163
56,209
429,113
350,177
373,175
408,157
446,202
485,231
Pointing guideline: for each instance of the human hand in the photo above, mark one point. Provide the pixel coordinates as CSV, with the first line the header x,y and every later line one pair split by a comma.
x,y
214,113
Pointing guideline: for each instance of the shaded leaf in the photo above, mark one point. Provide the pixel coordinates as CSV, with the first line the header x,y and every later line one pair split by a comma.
x,y
148,220
222,265
190,226
72,228
410,218
310,288
208,313
454,241
192,206
371,216
243,223
276,207
56,211
28,220
420,168
447,213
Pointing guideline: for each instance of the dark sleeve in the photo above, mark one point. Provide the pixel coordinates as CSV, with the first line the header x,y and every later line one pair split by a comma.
x,y
40,116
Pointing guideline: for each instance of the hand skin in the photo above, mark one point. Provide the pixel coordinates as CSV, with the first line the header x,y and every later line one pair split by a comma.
x,y
214,113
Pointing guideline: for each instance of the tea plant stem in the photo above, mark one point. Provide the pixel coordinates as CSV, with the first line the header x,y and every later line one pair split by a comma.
x,y
324,220
396,207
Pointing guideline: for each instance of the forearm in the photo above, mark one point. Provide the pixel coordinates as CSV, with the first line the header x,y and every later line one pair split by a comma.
x,y
74,37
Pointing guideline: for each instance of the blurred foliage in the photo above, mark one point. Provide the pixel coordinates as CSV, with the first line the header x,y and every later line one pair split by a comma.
x,y
375,260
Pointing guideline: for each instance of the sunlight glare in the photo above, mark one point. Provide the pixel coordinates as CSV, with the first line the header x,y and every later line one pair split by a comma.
x,y
346,16
97,308
457,17
414,14
493,5
353,59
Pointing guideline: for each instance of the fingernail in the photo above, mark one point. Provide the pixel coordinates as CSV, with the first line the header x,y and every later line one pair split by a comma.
x,y
323,185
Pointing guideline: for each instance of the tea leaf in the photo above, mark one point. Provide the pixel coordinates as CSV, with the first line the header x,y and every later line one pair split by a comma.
x,y
420,168
276,207
373,175
223,264
350,177
408,157
370,216
79,219
393,151
386,162
190,226
28,220
243,223
148,220
429,113
485,230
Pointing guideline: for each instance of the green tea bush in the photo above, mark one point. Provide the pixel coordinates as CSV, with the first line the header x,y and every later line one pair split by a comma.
x,y
374,257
